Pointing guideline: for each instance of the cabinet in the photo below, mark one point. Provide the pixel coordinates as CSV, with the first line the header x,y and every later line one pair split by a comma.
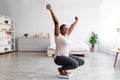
x,y
7,34
33,44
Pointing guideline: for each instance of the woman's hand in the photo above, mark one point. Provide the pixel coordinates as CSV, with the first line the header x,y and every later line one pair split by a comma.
x,y
48,7
76,18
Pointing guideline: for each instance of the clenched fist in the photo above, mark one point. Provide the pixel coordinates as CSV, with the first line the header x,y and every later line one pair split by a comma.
x,y
48,7
76,18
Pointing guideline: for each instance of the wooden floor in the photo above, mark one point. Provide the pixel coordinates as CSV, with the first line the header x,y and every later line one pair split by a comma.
x,y
37,66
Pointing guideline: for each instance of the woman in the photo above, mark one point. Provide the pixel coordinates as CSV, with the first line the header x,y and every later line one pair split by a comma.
x,y
62,56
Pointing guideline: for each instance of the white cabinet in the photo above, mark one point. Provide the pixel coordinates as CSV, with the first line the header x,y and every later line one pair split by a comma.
x,y
25,44
7,34
33,44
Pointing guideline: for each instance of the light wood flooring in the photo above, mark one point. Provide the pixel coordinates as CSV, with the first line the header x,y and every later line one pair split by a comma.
x,y
37,66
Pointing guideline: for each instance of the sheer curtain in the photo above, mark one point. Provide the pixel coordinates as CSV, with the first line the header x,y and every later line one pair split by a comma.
x,y
109,21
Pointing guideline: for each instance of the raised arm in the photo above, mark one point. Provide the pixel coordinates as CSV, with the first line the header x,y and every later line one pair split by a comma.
x,y
73,25
56,23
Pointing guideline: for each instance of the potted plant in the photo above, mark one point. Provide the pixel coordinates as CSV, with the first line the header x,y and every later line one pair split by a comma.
x,y
118,29
6,21
5,49
93,40
26,34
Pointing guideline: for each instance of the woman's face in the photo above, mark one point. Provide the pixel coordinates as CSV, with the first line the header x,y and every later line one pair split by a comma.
x,y
64,30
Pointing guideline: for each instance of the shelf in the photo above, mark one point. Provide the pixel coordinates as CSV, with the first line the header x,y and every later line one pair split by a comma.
x,y
6,24
7,34
7,44
7,38
7,17
7,51
5,31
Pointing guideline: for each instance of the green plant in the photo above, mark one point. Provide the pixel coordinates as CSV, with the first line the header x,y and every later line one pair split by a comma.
x,y
93,39
5,49
26,34
6,21
118,29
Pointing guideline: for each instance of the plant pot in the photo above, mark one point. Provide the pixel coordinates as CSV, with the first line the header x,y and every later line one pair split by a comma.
x,y
92,49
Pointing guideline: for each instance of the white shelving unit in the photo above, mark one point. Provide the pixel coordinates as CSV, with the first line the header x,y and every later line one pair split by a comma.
x,y
7,34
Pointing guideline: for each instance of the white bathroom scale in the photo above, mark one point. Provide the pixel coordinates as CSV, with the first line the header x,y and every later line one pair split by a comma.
x,y
69,75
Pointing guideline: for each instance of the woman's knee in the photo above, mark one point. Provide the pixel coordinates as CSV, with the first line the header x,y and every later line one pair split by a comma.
x,y
75,65
82,62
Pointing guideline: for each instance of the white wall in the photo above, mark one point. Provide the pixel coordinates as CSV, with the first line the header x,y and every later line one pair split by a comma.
x,y
100,16
32,17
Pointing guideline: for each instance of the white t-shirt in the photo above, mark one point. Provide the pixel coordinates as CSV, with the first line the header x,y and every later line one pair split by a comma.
x,y
62,45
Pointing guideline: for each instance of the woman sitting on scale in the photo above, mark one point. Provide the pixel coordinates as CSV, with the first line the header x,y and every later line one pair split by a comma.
x,y
62,56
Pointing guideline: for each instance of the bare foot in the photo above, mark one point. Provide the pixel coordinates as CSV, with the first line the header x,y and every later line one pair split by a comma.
x,y
61,71
65,72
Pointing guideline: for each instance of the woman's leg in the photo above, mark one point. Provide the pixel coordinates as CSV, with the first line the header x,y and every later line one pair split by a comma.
x,y
78,59
67,63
